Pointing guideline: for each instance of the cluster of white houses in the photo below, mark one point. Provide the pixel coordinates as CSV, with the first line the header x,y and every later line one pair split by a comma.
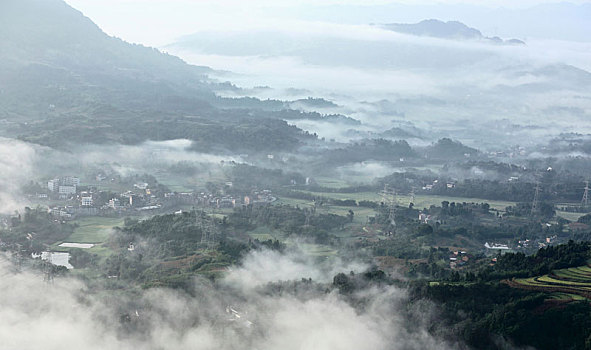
x,y
139,198
64,186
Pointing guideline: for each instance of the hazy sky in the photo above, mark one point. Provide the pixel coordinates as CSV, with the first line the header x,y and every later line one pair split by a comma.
x,y
159,22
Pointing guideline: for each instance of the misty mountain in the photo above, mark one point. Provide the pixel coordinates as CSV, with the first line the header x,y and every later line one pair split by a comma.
x,y
446,148
51,32
48,46
379,77
66,81
564,20
445,30
437,29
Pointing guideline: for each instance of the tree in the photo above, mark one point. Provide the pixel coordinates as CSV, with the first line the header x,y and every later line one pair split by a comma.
x,y
350,215
424,230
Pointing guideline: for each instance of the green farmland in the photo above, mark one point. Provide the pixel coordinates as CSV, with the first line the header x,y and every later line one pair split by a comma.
x,y
95,230
564,283
421,201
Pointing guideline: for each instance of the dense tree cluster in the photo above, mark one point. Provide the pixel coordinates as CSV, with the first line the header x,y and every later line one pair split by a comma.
x,y
34,229
493,316
375,149
289,219
545,260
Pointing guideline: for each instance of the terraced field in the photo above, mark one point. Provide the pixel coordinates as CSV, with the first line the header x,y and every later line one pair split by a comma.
x,y
571,281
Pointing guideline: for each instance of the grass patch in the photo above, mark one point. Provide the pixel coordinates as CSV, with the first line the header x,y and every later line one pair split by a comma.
x,y
93,229
569,216
312,249
421,200
264,233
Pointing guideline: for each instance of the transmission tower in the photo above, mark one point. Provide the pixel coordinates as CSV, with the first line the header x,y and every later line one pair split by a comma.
x,y
535,203
17,259
208,229
200,221
585,200
213,233
48,271
308,213
412,197
389,199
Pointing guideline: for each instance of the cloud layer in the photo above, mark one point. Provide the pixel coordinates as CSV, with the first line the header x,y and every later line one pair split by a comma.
x,y
237,314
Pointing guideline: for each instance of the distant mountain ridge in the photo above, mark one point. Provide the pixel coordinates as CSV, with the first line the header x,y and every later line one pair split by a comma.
x,y
445,30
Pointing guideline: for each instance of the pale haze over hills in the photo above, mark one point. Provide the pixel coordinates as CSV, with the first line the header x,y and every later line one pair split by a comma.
x,y
295,175
330,50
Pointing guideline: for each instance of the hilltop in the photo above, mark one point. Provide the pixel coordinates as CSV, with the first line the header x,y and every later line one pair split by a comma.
x,y
445,30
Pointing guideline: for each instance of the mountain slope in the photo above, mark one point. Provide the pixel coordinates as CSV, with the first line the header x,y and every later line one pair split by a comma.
x,y
66,81
52,32
436,28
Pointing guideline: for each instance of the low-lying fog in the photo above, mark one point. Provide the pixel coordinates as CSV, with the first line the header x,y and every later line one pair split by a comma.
x,y
379,77
22,162
239,312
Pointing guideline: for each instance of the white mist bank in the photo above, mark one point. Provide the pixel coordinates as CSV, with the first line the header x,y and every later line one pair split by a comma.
x,y
436,84
16,167
63,315
22,162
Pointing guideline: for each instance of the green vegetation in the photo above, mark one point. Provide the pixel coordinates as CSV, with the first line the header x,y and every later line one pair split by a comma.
x,y
421,200
479,313
545,260
570,281
446,148
67,80
34,230
376,149
66,83
93,229
535,311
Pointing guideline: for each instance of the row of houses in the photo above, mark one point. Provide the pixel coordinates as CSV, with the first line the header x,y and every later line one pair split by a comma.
x,y
429,187
459,259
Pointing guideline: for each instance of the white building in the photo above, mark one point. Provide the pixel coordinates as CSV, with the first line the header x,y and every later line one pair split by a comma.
x,y
66,181
496,246
53,185
141,185
67,189
114,203
70,181
86,201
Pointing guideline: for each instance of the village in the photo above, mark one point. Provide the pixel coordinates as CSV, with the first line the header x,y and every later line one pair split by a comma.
x,y
66,199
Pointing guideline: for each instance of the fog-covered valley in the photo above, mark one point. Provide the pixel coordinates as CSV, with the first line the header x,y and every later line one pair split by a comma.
x,y
294,175
386,79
